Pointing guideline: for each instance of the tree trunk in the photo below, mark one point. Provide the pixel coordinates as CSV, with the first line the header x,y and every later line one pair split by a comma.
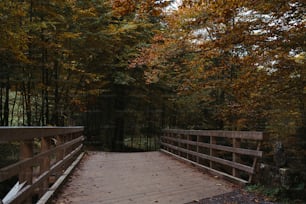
x,y
1,106
55,117
6,103
13,108
120,105
27,103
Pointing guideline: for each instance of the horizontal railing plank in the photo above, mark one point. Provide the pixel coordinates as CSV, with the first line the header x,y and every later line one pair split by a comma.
x,y
14,169
27,191
48,195
213,171
248,135
214,159
59,146
242,151
9,134
212,145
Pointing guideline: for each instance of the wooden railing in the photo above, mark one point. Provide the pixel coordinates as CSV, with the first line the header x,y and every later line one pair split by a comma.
x,y
47,155
232,154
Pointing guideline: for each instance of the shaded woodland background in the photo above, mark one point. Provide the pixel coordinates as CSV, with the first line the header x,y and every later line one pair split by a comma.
x,y
127,69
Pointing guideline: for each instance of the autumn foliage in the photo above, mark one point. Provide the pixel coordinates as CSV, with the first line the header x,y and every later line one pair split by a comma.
x,y
235,65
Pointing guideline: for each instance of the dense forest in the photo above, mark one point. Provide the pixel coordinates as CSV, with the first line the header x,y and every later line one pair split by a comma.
x,y
126,69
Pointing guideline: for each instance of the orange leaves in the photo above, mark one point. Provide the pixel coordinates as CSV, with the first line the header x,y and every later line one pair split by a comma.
x,y
123,7
211,44
142,10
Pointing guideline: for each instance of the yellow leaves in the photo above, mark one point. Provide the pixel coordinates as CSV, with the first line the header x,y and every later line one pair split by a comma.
x,y
69,35
90,12
300,58
72,66
241,123
152,76
19,13
112,28
128,27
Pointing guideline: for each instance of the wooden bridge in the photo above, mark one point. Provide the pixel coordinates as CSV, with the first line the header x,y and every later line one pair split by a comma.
x,y
49,154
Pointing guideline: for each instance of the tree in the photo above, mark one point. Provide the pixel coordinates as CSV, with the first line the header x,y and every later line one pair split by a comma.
x,y
227,48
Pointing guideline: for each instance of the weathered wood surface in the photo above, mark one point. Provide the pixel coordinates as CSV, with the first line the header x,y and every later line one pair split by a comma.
x,y
211,148
138,178
9,134
250,135
40,160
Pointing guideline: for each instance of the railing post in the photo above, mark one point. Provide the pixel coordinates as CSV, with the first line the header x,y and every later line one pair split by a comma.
x,y
178,136
198,140
211,150
236,157
255,161
45,165
26,175
60,154
35,169
188,146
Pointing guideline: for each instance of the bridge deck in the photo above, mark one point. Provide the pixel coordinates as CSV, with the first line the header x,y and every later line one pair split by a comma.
x,y
151,177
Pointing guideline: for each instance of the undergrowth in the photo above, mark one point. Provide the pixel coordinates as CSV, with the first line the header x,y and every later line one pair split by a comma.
x,y
279,194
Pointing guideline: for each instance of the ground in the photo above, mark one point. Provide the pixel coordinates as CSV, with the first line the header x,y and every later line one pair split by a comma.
x,y
151,177
237,196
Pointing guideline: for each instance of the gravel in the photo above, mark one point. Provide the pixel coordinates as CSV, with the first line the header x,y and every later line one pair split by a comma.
x,y
234,197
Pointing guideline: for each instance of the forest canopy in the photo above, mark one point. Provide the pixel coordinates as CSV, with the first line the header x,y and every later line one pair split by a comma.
x,y
144,65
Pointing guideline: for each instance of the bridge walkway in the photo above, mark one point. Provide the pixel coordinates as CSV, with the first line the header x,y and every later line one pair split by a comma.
x,y
132,178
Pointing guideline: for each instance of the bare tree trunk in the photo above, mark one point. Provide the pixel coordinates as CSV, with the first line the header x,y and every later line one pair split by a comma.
x,y
26,97
120,104
1,105
6,103
13,107
47,98
55,117
28,104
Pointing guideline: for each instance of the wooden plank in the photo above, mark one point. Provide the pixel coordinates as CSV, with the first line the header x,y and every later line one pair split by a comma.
x,y
188,146
242,151
143,178
9,134
254,161
236,150
198,150
27,191
212,141
14,169
235,156
213,171
45,164
26,174
249,135
48,195
214,159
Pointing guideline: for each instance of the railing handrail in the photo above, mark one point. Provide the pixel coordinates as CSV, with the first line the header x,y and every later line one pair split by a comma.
x,y
251,135
59,147
9,134
189,144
